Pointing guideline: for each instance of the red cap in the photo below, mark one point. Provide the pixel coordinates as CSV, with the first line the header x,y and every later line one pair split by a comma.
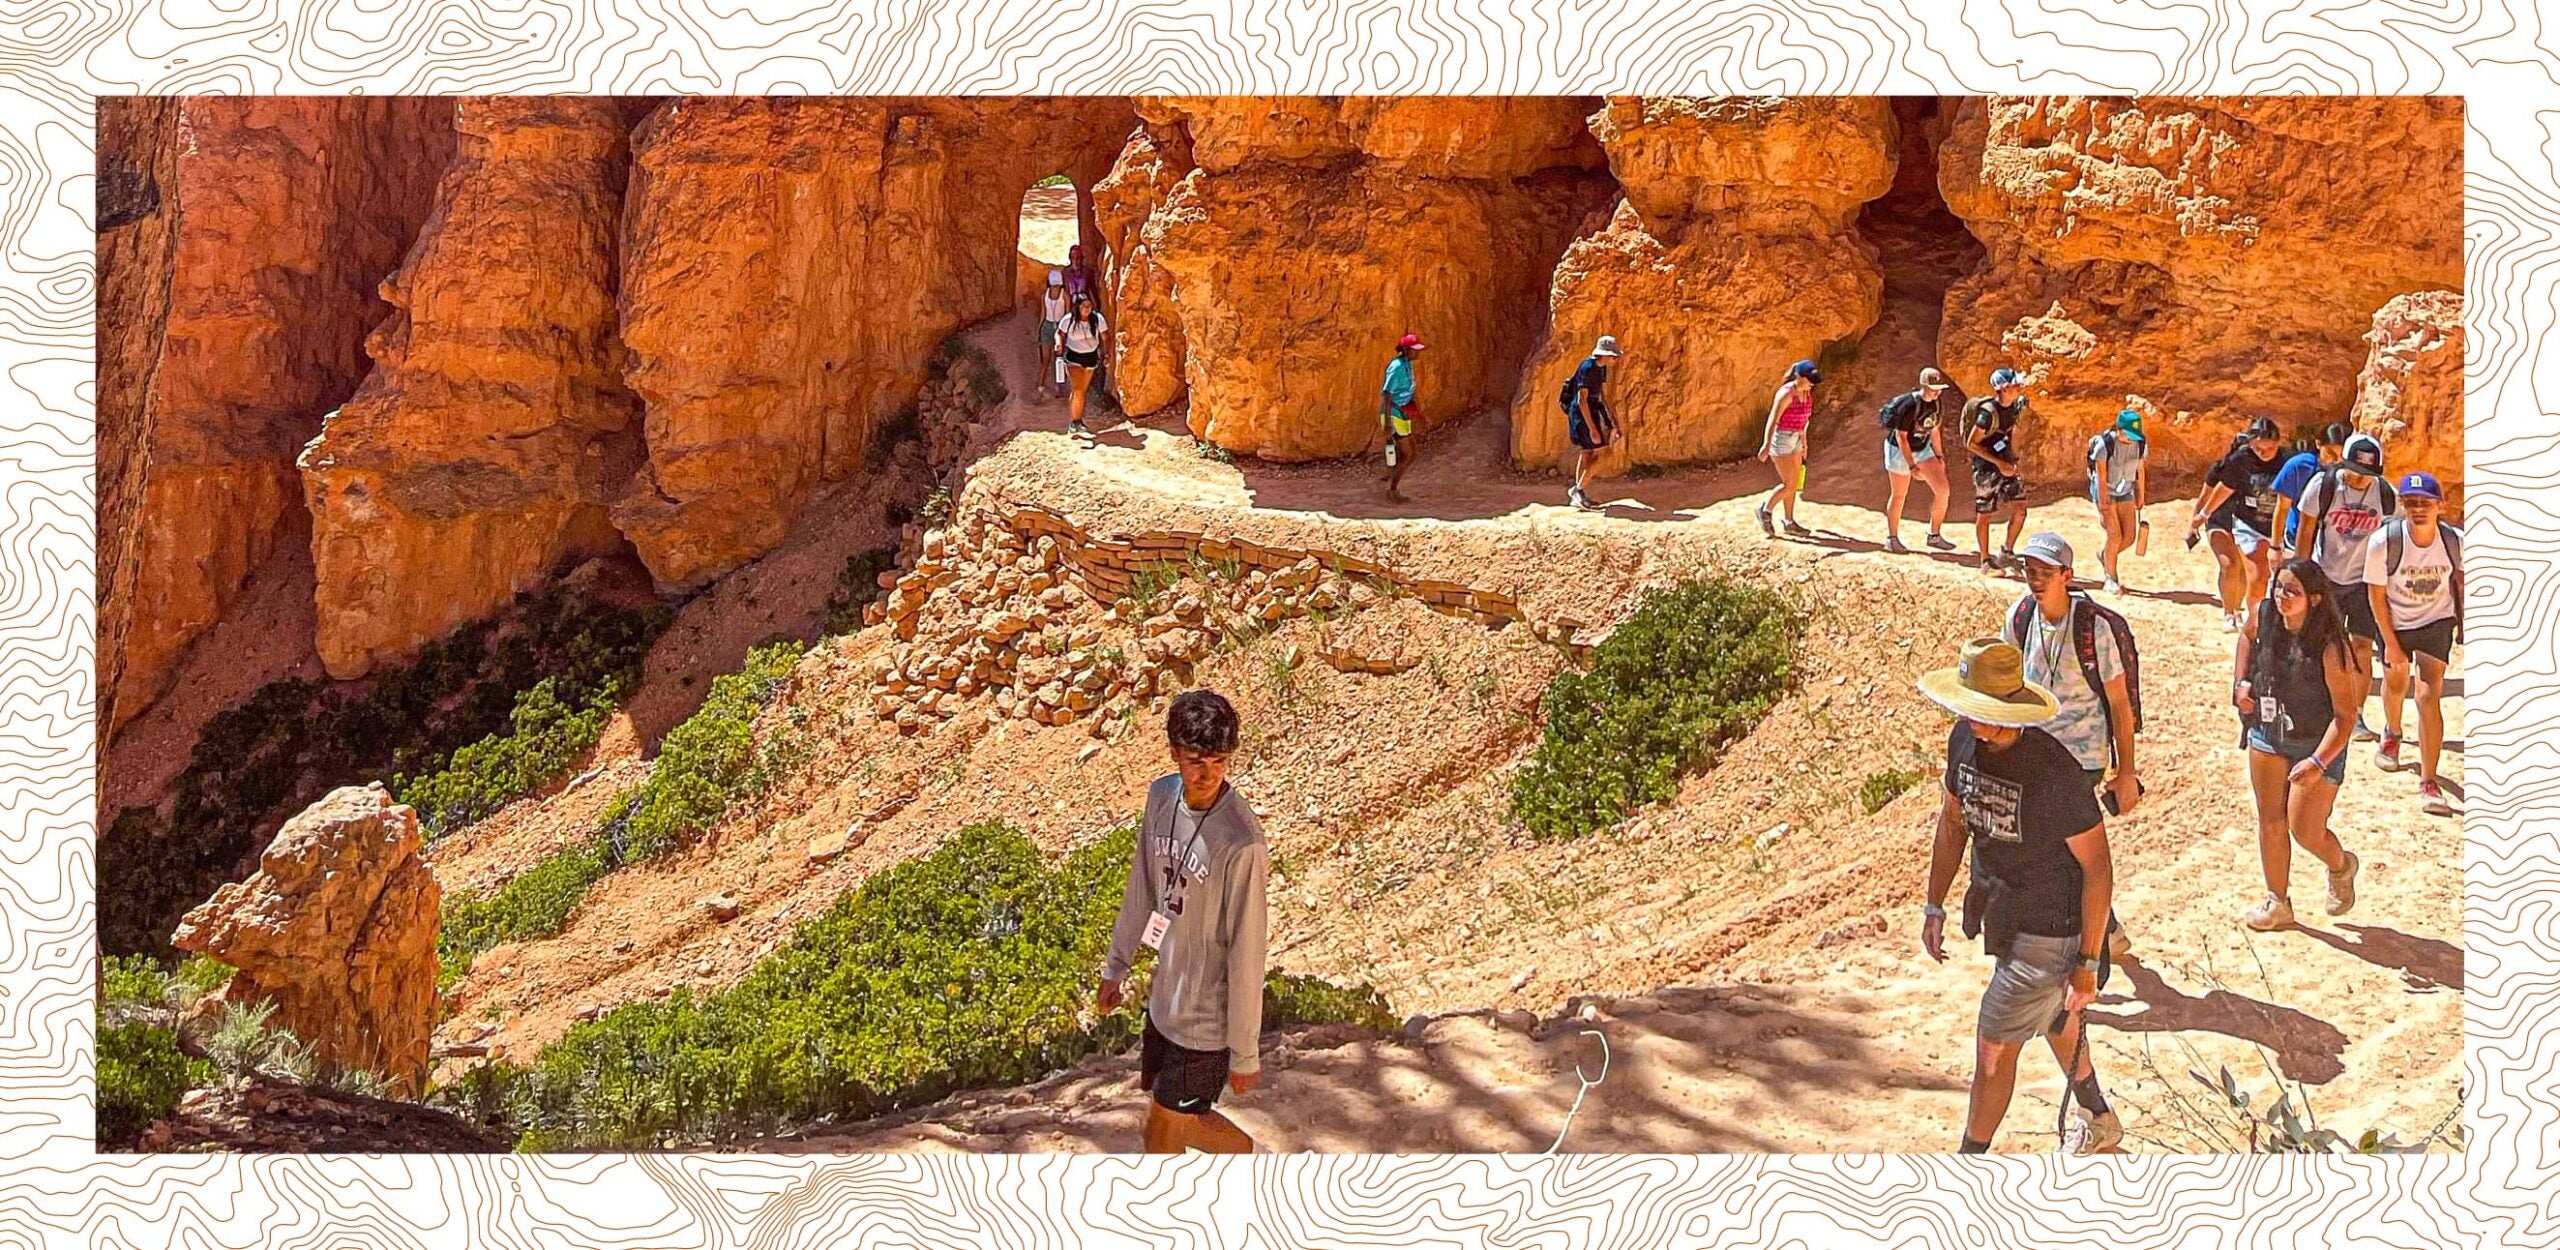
x,y
1413,341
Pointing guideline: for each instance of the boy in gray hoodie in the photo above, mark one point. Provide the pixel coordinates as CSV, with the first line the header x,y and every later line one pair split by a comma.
x,y
1195,897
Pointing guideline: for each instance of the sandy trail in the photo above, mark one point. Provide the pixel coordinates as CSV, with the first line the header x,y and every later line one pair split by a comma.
x,y
1818,1025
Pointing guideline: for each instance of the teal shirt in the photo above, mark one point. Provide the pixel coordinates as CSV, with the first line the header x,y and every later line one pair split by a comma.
x,y
1399,386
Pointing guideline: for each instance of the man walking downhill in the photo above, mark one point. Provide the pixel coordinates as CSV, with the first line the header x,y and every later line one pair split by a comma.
x,y
2041,900
1990,424
1396,411
2076,649
1912,448
1586,415
2413,577
1196,898
2340,509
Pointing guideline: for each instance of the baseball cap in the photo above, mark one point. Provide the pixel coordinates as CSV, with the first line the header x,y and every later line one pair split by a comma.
x,y
2420,486
2047,546
2129,420
2262,427
1804,369
1932,380
1608,346
1413,341
1057,277
2006,377
2364,455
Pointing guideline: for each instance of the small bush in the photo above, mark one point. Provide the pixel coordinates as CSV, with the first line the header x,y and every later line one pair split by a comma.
x,y
532,904
202,974
132,987
1697,664
547,738
1054,180
1884,787
705,763
1289,999
141,1076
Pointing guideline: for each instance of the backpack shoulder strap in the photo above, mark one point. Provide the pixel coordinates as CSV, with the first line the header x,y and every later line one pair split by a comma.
x,y
2451,537
2018,618
2394,538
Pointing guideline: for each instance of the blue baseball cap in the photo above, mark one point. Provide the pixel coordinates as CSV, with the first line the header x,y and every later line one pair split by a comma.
x,y
2420,486
1804,369
2006,377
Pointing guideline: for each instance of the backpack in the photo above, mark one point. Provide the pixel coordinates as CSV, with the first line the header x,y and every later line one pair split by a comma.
x,y
1892,409
1572,385
2101,445
2327,484
2086,615
2395,543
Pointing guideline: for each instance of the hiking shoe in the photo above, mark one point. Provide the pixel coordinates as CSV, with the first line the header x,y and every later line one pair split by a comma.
x,y
2342,886
2230,622
1077,428
2086,1134
1939,542
2387,756
2431,797
1797,531
1893,546
2114,587
1766,525
2365,732
2275,913
1578,499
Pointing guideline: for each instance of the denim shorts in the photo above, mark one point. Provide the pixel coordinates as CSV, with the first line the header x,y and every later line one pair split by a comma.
x,y
1920,455
1785,443
2336,772
2027,988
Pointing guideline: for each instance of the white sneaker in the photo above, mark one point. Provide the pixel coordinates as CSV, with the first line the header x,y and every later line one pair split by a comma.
x,y
2114,587
1577,498
2086,1134
2273,914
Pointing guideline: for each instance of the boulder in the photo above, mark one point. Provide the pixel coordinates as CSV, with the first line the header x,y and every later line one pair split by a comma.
x,y
240,240
338,928
789,264
2410,392
1734,254
1312,232
480,454
2205,260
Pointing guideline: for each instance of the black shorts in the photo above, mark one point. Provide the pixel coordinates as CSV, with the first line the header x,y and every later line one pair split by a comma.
x,y
2355,607
1083,360
1995,491
2435,639
1182,1079
1581,433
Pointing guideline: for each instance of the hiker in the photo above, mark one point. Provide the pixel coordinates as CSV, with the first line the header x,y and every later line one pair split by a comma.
x,y
2292,681
1782,443
2413,575
2084,654
2341,508
1989,426
2237,513
1396,411
1586,415
1912,448
1080,279
2040,895
2120,485
2298,471
1053,309
1195,898
1082,339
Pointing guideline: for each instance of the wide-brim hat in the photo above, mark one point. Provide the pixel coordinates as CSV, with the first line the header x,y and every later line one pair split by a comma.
x,y
1989,684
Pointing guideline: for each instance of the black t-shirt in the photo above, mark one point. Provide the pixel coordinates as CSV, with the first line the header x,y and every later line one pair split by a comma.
x,y
1588,379
2253,488
1915,416
2022,807
1997,423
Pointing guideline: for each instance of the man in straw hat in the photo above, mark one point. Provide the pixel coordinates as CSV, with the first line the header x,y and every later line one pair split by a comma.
x,y
2042,886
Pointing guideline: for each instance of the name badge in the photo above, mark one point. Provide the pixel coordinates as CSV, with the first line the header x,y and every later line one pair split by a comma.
x,y
1153,938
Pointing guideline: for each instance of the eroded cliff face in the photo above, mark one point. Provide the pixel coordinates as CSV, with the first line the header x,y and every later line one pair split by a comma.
x,y
2409,394
1312,232
1734,254
2205,260
238,273
788,267
481,453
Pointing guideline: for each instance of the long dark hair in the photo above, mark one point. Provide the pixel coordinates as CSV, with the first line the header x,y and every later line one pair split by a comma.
x,y
2322,629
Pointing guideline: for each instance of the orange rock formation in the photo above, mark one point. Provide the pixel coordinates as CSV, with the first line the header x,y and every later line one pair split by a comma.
x,y
2410,393
2208,260
1734,254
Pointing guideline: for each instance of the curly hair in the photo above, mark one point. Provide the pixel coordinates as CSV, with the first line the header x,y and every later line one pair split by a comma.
x,y
1201,720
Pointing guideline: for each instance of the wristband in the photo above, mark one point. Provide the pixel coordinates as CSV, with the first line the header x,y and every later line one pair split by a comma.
x,y
1932,911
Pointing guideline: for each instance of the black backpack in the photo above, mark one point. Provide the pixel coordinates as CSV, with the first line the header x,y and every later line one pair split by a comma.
x,y
1892,410
2327,484
2086,615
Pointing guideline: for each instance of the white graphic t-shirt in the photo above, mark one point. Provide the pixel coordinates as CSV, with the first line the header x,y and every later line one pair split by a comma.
x,y
2353,514
2421,593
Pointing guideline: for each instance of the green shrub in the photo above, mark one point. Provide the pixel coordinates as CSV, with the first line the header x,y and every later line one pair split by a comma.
x,y
1054,180
132,986
260,761
1884,787
141,1076
532,904
1697,664
1289,999
968,967
547,738
704,764
202,974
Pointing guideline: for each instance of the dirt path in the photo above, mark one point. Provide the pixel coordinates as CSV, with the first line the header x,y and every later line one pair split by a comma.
x,y
1823,1029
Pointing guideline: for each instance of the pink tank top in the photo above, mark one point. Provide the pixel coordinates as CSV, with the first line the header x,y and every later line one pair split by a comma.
x,y
1797,414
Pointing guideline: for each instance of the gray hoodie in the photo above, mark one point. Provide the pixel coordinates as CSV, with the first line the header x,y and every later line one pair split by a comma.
x,y
1209,884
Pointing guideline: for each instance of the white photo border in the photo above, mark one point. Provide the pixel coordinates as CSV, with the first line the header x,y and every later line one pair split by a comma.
x,y
55,1191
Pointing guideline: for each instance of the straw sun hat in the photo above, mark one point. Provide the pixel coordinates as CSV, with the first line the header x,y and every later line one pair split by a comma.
x,y
1989,684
